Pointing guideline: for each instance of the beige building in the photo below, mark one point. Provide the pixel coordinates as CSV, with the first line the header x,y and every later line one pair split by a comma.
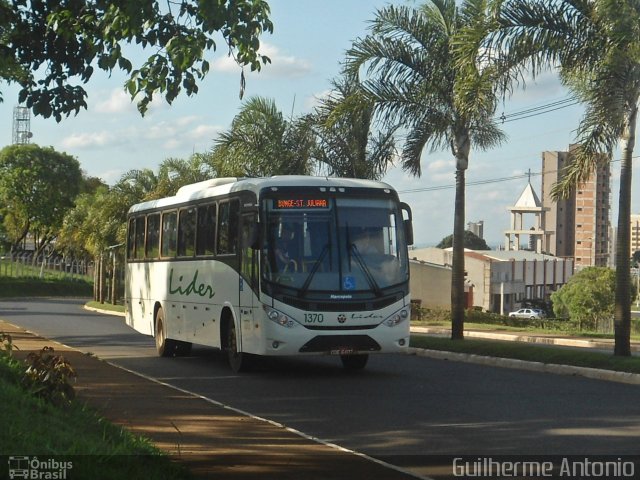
x,y
496,281
430,284
579,224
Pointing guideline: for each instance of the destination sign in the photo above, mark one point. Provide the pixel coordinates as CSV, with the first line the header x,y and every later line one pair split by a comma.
x,y
296,203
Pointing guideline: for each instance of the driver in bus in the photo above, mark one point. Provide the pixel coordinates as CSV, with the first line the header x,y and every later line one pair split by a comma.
x,y
365,242
283,245
368,243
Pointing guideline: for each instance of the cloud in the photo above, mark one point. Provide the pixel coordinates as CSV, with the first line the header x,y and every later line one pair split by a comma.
x,y
111,176
281,65
117,102
171,144
89,140
440,171
181,136
205,132
313,101
544,86
441,165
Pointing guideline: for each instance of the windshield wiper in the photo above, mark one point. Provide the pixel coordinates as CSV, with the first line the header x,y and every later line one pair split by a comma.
x,y
367,273
314,269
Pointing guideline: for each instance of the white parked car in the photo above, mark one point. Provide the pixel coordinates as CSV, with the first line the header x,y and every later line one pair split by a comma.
x,y
527,313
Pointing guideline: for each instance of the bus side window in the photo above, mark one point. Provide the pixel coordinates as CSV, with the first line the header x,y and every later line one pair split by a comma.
x,y
152,246
187,232
228,227
169,234
140,224
131,239
205,241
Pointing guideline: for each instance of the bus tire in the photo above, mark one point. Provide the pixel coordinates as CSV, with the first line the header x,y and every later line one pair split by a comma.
x,y
238,361
164,346
354,362
183,349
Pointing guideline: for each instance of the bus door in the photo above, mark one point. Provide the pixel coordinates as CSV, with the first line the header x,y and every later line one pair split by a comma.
x,y
248,272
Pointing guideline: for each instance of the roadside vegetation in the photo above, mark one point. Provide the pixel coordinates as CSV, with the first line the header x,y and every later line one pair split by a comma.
x,y
11,287
25,280
478,320
579,357
40,417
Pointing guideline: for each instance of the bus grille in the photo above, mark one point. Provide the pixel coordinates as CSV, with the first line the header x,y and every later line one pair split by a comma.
x,y
339,306
327,343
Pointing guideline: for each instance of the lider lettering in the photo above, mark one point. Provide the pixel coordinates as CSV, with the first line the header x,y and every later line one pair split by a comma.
x,y
193,286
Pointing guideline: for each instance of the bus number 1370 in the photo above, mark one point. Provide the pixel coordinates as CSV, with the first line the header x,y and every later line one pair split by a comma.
x,y
313,318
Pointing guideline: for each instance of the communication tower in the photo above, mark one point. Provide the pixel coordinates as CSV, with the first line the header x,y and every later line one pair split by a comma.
x,y
21,126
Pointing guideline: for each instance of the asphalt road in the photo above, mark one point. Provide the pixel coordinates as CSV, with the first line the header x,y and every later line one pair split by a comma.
x,y
401,409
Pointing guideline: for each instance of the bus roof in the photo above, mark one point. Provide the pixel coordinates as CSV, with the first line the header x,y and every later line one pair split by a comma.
x,y
221,186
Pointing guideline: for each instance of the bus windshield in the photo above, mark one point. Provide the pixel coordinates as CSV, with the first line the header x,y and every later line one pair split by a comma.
x,y
342,245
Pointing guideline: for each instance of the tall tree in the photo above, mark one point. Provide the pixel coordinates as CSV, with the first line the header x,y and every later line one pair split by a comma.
x,y
343,124
47,46
37,187
413,73
588,297
471,241
596,44
262,142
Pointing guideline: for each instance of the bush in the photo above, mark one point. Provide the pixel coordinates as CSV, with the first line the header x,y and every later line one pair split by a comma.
x,y
421,313
475,315
49,376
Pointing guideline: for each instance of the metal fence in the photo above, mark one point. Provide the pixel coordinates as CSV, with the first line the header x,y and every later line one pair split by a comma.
x,y
24,266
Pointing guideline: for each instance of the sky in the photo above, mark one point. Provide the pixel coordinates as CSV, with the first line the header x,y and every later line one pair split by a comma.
x,y
307,47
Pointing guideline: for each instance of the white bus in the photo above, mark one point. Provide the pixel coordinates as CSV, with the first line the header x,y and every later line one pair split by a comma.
x,y
272,266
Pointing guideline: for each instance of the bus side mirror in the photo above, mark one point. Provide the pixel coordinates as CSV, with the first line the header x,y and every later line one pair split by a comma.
x,y
408,231
408,223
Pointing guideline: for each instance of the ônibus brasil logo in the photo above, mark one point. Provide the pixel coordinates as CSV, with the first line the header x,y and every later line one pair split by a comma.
x,y
34,468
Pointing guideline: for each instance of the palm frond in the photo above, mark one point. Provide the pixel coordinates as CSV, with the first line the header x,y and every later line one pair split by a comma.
x,y
564,28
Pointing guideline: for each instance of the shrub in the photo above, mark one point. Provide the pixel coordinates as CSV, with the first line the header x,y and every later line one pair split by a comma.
x,y
49,377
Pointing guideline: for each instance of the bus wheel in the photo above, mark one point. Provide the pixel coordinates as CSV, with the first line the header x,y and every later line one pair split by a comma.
x,y
183,349
237,360
354,362
165,346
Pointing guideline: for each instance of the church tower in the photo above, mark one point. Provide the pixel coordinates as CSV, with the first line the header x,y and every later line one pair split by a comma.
x,y
528,220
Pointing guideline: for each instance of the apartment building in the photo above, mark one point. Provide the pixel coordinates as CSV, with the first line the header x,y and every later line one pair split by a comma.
x,y
580,224
635,233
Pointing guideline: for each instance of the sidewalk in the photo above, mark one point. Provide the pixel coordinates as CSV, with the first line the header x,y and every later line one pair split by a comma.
x,y
213,441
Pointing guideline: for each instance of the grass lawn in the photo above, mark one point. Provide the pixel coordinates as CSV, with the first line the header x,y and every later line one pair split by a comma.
x,y
12,287
96,447
536,353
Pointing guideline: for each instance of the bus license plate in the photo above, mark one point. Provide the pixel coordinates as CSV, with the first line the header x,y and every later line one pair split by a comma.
x,y
343,351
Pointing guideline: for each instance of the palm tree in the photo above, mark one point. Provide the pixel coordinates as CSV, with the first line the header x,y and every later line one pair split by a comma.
x,y
262,142
177,172
596,45
346,144
414,74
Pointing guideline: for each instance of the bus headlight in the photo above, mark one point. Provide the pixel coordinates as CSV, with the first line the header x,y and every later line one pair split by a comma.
x,y
278,317
397,318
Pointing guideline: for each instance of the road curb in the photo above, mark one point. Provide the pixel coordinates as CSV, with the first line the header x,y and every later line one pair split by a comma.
x,y
593,373
103,311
